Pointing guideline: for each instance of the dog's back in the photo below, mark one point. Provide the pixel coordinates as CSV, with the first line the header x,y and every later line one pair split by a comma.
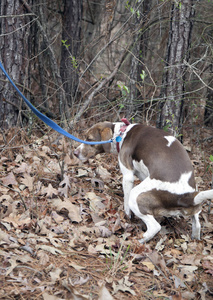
x,y
162,154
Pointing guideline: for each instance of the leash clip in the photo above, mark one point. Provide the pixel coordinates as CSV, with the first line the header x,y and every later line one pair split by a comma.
x,y
118,138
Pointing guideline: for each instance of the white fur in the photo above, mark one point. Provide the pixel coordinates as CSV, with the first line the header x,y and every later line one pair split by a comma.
x,y
202,196
153,227
116,133
196,226
125,133
180,187
171,139
128,183
140,169
80,149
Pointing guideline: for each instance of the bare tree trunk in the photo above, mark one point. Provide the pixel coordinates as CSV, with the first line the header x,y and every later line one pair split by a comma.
x,y
71,41
138,54
208,116
13,49
170,114
30,50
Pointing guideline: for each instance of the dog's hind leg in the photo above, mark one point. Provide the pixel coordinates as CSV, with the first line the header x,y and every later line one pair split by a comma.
x,y
196,226
153,227
141,205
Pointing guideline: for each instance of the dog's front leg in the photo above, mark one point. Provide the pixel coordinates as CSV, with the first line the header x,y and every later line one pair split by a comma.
x,y
128,183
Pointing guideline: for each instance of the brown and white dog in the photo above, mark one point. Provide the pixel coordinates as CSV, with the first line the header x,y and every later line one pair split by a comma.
x,y
162,164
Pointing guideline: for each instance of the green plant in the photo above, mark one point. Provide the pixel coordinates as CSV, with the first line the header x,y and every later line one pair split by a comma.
x,y
124,91
143,75
169,124
73,59
209,166
64,43
117,263
74,62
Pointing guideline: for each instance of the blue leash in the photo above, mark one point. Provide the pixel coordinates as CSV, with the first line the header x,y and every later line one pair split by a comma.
x,y
48,121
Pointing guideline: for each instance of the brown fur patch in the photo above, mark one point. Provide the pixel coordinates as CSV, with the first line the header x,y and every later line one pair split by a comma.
x,y
162,203
149,144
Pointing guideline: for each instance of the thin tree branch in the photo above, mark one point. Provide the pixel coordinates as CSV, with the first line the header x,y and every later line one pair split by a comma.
x,y
17,29
99,87
193,70
17,16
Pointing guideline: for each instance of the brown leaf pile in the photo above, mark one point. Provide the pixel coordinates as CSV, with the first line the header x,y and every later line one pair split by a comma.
x,y
64,234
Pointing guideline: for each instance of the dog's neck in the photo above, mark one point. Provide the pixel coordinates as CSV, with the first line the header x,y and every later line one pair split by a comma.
x,y
120,130
119,138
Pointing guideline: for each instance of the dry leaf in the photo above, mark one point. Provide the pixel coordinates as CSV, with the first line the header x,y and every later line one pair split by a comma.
x,y
52,167
82,173
71,160
123,285
178,282
95,201
76,267
190,259
103,173
23,168
65,183
73,210
43,257
75,295
4,237
208,266
28,181
104,294
105,232
187,272
49,249
13,264
80,280
56,217
49,191
17,220
149,265
9,179
46,296
55,275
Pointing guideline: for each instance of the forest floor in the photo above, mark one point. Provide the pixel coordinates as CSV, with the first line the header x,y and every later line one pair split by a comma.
x,y
64,233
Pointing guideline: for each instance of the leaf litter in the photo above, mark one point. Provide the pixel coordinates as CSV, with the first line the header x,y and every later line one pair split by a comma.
x,y
64,233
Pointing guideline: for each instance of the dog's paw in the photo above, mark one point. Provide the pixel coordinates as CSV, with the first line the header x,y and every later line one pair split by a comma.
x,y
128,213
196,237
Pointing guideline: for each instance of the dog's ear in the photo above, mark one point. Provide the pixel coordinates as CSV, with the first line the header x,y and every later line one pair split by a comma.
x,y
106,134
93,134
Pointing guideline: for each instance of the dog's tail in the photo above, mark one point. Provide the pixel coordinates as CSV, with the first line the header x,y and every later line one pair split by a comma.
x,y
203,196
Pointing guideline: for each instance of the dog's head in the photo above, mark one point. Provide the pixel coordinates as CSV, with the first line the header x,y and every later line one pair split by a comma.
x,y
99,132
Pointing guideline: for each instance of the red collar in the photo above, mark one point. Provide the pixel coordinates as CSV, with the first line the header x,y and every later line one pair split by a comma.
x,y
122,130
